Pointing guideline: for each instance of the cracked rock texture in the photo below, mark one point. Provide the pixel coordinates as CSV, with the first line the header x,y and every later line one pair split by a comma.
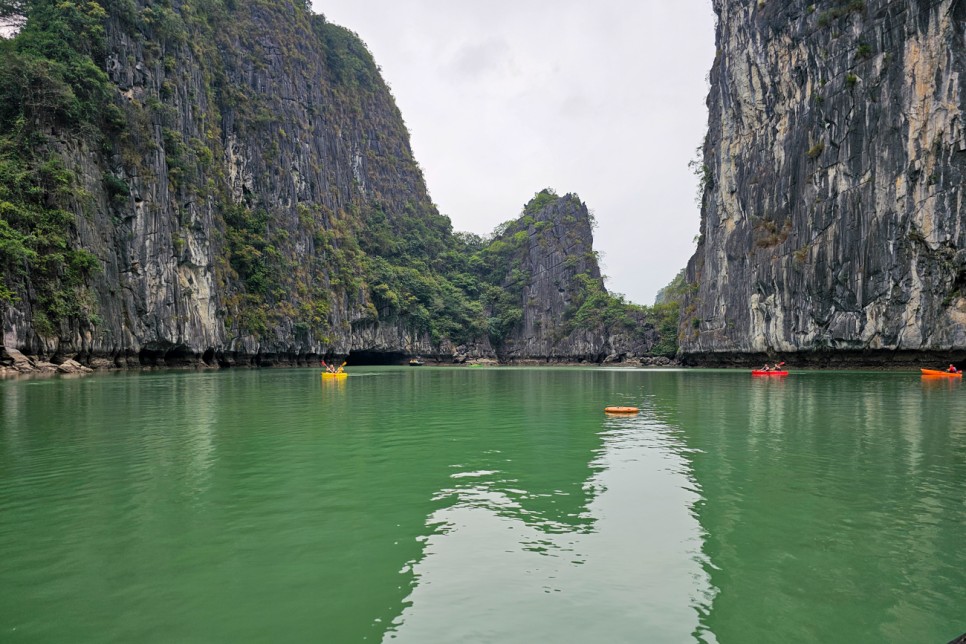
x,y
257,120
833,204
559,247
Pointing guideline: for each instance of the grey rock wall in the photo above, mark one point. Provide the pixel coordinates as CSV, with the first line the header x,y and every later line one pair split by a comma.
x,y
832,219
559,247
258,120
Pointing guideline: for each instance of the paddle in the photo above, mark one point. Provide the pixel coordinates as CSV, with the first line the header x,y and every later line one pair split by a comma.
x,y
332,369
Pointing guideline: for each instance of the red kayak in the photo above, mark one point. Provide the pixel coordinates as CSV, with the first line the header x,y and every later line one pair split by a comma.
x,y
946,374
762,372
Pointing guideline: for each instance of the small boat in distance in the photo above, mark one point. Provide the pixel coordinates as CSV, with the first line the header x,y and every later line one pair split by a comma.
x,y
416,362
771,370
332,372
941,373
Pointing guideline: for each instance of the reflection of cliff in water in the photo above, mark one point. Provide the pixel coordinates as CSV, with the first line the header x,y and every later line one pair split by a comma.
x,y
523,450
411,445
831,503
581,531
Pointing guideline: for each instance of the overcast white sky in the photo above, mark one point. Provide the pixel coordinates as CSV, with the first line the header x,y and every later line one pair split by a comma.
x,y
605,99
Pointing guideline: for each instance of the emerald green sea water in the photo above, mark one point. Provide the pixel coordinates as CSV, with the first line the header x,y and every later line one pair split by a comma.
x,y
482,505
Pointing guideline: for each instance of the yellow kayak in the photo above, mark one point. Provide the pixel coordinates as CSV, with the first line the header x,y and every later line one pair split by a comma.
x,y
334,376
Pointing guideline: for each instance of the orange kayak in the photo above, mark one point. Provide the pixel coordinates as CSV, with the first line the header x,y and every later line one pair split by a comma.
x,y
621,410
937,372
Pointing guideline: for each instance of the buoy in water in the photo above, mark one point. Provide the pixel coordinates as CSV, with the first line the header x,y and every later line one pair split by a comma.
x,y
621,410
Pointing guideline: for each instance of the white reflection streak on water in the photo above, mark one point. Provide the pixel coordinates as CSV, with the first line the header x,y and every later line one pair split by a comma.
x,y
630,568
12,401
201,419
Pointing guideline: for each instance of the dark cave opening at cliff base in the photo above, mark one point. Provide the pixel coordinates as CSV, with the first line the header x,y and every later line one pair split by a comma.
x,y
166,356
375,358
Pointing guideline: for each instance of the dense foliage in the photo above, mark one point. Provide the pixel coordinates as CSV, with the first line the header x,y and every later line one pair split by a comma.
x,y
594,307
50,77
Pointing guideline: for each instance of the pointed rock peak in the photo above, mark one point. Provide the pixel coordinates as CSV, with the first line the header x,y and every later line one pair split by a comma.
x,y
548,201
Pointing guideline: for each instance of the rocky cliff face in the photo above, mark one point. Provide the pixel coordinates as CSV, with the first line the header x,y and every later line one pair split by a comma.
x,y
557,275
833,207
230,181
255,143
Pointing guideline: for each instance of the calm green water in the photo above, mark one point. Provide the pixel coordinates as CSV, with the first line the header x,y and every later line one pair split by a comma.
x,y
482,505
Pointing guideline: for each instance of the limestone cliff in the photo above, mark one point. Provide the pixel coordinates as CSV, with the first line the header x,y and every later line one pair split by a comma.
x,y
833,205
249,147
565,313
230,181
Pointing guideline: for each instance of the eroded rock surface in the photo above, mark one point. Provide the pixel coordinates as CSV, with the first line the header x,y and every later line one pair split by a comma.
x,y
833,209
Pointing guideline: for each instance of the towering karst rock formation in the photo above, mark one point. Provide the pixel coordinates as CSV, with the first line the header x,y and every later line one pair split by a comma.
x,y
833,210
231,181
559,307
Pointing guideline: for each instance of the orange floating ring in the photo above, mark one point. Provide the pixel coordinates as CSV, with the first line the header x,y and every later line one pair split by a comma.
x,y
621,410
